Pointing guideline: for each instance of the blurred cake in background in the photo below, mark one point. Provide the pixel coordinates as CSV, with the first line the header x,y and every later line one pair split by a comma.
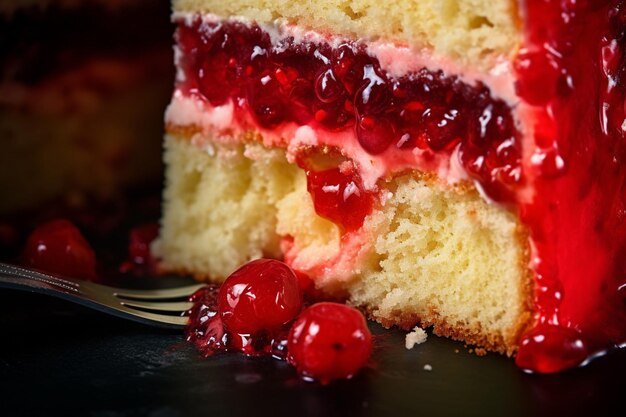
x,y
83,87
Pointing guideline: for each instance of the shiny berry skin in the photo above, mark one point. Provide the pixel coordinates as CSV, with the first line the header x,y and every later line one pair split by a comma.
x,y
329,341
58,247
340,197
262,295
374,134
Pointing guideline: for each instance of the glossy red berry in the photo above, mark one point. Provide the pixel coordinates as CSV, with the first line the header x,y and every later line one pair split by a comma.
x,y
340,197
58,247
329,341
262,295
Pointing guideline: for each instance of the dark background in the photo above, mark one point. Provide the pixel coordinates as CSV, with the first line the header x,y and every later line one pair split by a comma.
x,y
59,359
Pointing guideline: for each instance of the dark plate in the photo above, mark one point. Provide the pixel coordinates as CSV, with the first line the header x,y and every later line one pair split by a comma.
x,y
60,359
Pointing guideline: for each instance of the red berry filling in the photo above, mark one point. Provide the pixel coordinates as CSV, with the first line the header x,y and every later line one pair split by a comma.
x,y
344,89
549,349
253,313
572,69
58,247
205,329
329,341
338,195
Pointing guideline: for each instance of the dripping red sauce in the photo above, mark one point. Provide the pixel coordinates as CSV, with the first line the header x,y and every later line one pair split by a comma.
x,y
571,76
572,71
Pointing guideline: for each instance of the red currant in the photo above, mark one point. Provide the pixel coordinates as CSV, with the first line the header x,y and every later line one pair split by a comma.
x,y
59,247
329,341
261,295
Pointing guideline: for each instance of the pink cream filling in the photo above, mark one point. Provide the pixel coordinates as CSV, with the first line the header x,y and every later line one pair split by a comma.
x,y
226,123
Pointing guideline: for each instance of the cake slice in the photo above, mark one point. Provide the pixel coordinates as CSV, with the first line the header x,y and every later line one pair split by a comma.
x,y
447,164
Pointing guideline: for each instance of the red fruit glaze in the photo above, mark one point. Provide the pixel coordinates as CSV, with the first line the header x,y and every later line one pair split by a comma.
x,y
329,341
58,247
572,68
262,295
549,349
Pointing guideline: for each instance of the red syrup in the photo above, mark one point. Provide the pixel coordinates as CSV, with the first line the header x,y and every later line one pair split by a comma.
x,y
570,70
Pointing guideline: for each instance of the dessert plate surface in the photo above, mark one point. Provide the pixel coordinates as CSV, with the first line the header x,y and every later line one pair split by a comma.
x,y
60,359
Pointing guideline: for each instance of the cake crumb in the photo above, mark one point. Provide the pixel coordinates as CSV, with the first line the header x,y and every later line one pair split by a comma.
x,y
480,351
428,367
416,337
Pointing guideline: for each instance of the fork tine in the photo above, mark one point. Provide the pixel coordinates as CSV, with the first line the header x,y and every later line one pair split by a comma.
x,y
116,301
158,306
179,321
157,294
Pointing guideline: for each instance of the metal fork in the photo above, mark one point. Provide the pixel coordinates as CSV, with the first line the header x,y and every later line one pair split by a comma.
x,y
144,306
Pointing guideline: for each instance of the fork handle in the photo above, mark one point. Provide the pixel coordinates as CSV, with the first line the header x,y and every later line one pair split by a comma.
x,y
69,289
16,277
